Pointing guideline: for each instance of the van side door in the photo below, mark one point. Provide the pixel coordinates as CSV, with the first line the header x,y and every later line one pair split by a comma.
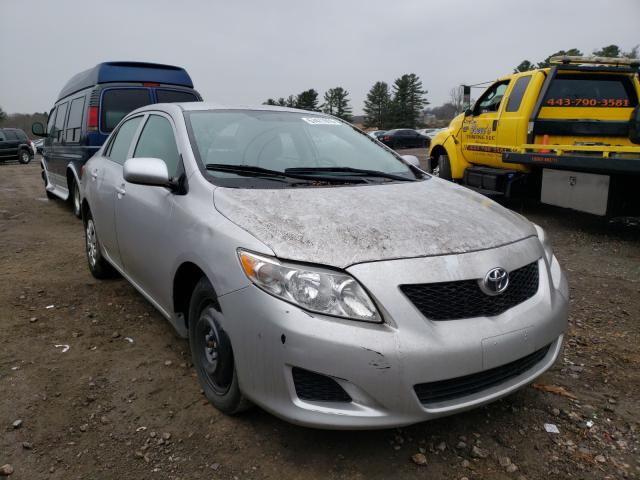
x,y
56,165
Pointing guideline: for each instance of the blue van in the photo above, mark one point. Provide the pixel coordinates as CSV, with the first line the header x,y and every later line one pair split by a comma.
x,y
90,106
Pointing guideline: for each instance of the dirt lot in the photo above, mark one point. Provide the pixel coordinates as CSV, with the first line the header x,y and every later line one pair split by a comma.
x,y
123,400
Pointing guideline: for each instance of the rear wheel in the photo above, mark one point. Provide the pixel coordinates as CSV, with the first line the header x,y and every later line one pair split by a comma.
x,y
442,168
74,196
98,265
24,156
212,353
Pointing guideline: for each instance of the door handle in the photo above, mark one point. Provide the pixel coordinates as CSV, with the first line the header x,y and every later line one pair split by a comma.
x,y
120,191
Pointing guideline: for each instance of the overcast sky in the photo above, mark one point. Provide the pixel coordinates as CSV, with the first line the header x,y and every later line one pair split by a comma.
x,y
244,51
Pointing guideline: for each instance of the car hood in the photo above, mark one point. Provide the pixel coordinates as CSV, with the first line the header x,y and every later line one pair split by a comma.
x,y
342,226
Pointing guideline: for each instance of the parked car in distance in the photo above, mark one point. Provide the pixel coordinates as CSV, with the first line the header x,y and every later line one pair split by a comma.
x,y
39,144
317,274
89,107
404,138
15,145
376,134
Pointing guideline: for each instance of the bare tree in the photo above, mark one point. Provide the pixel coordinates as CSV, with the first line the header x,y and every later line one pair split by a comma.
x,y
456,98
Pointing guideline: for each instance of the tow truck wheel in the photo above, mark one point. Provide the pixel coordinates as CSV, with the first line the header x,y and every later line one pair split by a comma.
x,y
442,168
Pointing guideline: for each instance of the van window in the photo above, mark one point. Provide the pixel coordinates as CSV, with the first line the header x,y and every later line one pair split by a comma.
x,y
50,122
515,98
174,96
61,114
2,137
11,135
157,141
119,147
74,124
591,91
117,102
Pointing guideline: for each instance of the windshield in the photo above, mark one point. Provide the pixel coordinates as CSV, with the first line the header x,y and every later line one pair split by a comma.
x,y
284,142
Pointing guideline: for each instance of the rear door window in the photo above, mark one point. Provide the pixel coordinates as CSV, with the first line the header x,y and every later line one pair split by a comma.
x,y
117,102
515,98
11,135
591,91
158,141
2,137
174,96
58,129
119,147
74,124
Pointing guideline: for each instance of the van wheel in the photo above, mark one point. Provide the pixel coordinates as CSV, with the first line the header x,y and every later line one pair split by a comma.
x,y
98,265
442,168
212,353
75,199
24,157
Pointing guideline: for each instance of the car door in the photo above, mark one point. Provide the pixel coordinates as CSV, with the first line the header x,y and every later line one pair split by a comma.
x,y
143,213
479,130
4,145
11,143
105,177
56,166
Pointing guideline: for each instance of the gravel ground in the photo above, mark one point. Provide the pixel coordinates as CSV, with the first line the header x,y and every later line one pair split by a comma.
x,y
94,384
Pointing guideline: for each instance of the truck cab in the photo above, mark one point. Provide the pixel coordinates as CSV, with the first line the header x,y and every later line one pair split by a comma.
x,y
567,134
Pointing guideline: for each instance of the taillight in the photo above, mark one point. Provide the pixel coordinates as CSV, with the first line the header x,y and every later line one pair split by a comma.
x,y
150,84
92,118
387,138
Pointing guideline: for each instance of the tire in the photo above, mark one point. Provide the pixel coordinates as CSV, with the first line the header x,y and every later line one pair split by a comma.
x,y
74,198
49,195
24,156
98,265
443,168
212,353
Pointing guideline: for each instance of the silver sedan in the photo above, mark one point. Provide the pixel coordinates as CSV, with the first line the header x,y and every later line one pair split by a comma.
x,y
316,273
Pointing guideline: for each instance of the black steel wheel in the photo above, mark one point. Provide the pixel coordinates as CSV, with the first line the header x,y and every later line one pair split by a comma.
x,y
212,352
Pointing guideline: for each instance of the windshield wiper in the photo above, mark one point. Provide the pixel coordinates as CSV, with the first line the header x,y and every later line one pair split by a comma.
x,y
353,171
253,171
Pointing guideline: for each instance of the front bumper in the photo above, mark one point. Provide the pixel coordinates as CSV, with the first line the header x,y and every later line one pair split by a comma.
x,y
378,365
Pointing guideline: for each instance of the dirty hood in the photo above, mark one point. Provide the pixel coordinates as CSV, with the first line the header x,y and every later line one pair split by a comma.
x,y
342,226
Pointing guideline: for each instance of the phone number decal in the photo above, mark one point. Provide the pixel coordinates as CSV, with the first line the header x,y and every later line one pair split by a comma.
x,y
587,102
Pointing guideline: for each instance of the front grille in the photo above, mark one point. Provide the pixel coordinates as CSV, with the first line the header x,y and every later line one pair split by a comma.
x,y
318,388
464,299
445,390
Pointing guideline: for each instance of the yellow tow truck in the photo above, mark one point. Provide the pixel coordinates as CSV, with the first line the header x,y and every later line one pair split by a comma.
x,y
568,135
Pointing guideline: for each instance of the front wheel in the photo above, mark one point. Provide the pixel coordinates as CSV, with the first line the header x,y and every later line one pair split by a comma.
x,y
24,157
442,168
212,353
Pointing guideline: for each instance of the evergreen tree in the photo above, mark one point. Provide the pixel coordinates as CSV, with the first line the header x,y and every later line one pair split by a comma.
x,y
608,51
377,106
3,115
408,101
270,101
336,103
308,100
524,66
290,102
572,52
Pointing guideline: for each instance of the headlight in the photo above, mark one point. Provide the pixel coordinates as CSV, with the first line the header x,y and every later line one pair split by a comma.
x,y
330,293
546,244
557,276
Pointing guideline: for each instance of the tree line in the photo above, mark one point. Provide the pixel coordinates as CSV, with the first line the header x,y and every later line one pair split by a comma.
x,y
384,108
612,51
336,102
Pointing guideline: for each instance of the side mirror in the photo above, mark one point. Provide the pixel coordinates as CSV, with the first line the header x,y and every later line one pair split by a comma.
x,y
411,160
146,171
468,112
38,129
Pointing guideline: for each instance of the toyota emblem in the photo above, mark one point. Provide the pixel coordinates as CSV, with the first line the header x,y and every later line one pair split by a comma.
x,y
495,281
